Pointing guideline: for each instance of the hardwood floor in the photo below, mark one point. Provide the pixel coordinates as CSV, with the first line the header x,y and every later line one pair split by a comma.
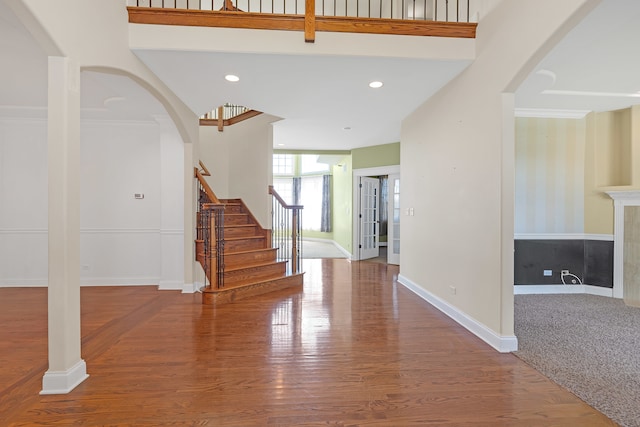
x,y
353,349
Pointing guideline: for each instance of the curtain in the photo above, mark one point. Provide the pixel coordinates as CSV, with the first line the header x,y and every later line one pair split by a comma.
x,y
311,199
325,224
384,205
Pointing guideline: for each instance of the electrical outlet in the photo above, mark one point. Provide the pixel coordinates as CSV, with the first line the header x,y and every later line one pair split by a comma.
x,y
564,272
453,290
547,273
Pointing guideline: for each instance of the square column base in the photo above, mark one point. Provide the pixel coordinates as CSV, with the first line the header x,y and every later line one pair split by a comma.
x,y
62,382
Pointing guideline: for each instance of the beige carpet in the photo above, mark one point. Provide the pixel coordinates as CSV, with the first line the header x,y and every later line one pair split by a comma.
x,y
588,344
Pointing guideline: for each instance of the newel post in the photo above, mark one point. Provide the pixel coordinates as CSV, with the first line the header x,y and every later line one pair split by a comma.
x,y
212,259
294,240
310,21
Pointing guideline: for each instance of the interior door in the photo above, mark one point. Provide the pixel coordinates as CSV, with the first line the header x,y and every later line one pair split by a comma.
x,y
369,217
393,233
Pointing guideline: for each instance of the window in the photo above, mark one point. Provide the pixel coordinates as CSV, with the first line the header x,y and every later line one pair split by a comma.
x,y
284,187
311,199
283,164
309,164
301,175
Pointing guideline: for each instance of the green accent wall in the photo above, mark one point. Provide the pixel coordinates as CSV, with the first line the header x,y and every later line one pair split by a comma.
x,y
342,186
375,156
342,215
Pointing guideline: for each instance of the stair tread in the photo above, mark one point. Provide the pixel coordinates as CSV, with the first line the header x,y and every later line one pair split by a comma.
x,y
239,225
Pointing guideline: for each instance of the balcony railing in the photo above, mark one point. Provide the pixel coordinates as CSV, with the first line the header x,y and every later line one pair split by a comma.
x,y
443,18
227,115
435,10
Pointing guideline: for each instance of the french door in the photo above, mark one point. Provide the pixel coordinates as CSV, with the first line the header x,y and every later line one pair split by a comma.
x,y
369,217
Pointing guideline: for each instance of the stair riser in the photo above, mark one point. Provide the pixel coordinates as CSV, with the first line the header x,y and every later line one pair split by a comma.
x,y
243,245
253,274
236,219
233,209
233,260
227,295
239,231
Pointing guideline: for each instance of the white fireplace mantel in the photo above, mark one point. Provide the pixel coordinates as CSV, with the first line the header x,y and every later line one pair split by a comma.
x,y
621,198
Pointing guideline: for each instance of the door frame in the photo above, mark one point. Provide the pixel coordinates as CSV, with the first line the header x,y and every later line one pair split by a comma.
x,y
356,174
391,235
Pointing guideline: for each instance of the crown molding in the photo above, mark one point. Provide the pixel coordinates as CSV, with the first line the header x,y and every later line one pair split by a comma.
x,y
550,113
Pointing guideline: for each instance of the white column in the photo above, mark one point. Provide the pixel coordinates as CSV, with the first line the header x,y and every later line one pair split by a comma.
x,y
618,249
193,276
66,367
621,199
171,206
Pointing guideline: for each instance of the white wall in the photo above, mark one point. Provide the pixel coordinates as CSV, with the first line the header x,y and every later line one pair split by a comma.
x,y
239,160
122,240
96,36
23,202
172,175
457,152
120,235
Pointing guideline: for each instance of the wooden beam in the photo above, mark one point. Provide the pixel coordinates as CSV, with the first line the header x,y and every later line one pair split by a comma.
x,y
310,21
342,24
258,21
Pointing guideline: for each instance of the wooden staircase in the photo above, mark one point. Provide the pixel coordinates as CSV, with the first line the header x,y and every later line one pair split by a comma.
x,y
249,263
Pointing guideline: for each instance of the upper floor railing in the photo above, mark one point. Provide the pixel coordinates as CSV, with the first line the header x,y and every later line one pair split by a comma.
x,y
227,115
442,18
435,10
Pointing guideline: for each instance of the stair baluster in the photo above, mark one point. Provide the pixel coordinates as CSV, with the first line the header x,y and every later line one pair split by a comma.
x,y
286,229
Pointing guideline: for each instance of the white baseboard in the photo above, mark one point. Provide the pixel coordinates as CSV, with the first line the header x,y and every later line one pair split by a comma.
x,y
191,288
118,281
343,250
23,283
170,285
562,289
62,382
504,344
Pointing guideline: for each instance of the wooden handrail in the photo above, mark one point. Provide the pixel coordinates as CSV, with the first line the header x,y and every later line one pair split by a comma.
x,y
279,198
207,189
205,171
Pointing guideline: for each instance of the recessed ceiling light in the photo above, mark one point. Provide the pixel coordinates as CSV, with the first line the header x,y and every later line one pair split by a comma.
x,y
280,145
346,128
376,84
231,78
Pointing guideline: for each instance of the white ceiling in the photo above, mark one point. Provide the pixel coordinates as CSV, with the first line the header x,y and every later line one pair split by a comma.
x,y
596,67
318,96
